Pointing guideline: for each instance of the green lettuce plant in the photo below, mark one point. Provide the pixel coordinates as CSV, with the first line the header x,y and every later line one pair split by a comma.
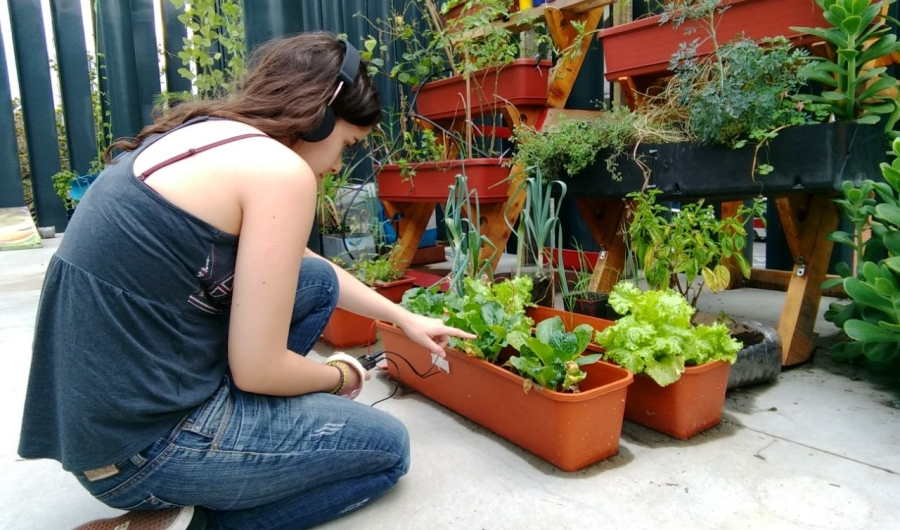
x,y
655,335
552,357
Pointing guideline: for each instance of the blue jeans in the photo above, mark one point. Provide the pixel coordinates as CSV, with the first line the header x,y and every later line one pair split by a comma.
x,y
264,462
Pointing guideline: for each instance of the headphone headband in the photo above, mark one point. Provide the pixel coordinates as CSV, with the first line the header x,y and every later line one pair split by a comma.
x,y
350,66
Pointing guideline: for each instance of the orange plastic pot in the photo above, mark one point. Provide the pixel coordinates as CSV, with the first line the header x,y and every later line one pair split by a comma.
x,y
486,176
570,431
521,83
644,47
688,406
349,330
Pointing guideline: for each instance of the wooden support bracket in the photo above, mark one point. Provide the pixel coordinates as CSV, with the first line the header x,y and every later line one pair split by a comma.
x,y
414,219
812,253
563,76
605,218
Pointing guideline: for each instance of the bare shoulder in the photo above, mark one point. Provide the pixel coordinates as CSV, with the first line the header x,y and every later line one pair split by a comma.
x,y
258,155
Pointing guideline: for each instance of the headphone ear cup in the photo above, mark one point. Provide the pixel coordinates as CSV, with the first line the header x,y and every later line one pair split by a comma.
x,y
324,130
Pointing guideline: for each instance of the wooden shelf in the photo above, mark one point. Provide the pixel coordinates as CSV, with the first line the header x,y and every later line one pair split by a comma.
x,y
522,20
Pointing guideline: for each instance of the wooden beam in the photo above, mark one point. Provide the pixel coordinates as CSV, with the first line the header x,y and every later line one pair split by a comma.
x,y
523,20
604,218
559,23
414,219
792,210
774,280
801,306
630,95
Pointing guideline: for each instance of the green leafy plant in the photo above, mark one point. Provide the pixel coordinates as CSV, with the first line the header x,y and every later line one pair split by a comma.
x,y
215,47
655,336
462,215
378,270
872,319
692,241
489,310
858,34
571,145
552,357
538,221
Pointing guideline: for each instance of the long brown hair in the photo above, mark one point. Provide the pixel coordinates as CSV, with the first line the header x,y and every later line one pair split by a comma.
x,y
284,94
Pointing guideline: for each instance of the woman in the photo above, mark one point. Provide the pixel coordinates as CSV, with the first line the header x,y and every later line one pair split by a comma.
x,y
160,376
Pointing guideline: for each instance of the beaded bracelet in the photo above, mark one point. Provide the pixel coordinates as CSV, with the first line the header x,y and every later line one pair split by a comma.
x,y
342,368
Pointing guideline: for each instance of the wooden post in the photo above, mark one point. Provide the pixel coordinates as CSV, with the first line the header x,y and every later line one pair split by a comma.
x,y
605,219
801,306
559,24
415,216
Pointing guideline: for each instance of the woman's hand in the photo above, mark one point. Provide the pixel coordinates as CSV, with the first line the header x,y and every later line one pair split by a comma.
x,y
429,332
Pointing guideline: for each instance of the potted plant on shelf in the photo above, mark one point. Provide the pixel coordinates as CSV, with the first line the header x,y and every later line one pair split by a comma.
x,y
346,217
681,369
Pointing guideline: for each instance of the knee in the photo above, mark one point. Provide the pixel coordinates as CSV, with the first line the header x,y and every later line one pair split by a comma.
x,y
319,282
395,440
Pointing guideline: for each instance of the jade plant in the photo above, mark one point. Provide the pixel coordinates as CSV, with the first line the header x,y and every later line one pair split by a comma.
x,y
854,91
871,320
552,357
655,336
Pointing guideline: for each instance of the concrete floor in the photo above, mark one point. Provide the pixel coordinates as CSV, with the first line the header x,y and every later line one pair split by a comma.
x,y
818,448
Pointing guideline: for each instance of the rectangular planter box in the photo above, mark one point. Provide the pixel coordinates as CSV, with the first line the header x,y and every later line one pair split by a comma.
x,y
570,431
644,48
570,258
521,83
349,330
688,406
427,255
831,154
485,176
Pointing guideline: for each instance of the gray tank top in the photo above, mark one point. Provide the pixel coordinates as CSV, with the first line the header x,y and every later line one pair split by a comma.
x,y
132,325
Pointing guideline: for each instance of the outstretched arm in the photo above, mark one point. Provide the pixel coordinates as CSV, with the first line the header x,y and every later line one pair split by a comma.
x,y
359,298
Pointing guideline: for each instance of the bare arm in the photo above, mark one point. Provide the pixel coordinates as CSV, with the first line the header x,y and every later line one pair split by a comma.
x,y
274,207
357,297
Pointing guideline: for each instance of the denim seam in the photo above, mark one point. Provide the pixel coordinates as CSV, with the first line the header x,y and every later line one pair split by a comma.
x,y
154,464
226,421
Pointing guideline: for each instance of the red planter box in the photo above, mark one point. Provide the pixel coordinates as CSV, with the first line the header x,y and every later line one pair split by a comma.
x,y
487,176
643,47
688,406
349,330
520,83
570,431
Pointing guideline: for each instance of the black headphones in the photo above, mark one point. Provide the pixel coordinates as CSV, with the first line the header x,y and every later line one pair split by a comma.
x,y
346,76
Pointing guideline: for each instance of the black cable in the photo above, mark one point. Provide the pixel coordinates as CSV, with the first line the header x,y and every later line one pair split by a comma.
x,y
426,375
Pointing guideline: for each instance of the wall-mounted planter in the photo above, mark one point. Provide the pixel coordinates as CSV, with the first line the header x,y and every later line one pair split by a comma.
x,y
570,431
349,330
522,83
688,406
485,176
644,47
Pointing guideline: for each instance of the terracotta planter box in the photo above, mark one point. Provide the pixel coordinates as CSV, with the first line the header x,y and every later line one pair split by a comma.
x,y
570,431
487,176
349,330
688,406
643,47
570,258
521,83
